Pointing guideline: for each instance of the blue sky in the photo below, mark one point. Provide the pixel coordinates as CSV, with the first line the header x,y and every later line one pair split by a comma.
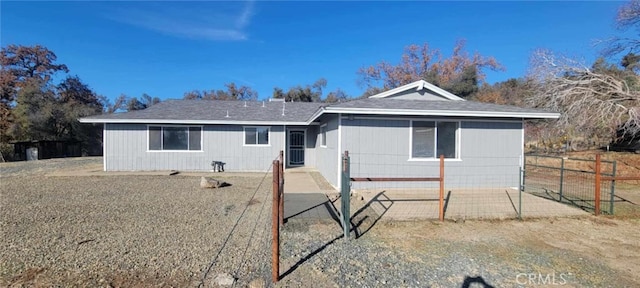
x,y
167,48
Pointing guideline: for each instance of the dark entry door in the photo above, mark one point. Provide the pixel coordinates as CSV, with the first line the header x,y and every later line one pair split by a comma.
x,y
296,148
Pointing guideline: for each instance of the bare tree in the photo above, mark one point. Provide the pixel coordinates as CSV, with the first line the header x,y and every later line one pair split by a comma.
x,y
593,105
628,17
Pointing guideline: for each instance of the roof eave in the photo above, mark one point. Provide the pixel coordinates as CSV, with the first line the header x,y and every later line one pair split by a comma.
x,y
460,113
190,122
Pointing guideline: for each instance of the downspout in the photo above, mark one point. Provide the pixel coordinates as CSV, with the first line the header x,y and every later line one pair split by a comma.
x,y
284,150
339,172
104,147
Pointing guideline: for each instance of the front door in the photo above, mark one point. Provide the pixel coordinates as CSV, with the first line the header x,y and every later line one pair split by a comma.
x,y
296,147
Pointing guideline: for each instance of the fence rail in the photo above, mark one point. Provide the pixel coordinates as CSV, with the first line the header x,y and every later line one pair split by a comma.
x,y
588,184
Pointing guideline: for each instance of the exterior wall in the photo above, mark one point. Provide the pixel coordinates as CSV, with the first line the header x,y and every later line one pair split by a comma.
x,y
126,149
489,153
327,157
424,94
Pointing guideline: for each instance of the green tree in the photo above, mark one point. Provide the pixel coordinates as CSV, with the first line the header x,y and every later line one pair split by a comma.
x,y
33,108
232,92
336,96
307,93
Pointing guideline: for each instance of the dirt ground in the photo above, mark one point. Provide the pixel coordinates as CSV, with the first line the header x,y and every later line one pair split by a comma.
x,y
113,230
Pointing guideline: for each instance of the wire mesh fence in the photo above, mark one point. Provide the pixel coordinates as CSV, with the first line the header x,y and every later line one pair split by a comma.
x,y
245,253
570,181
474,188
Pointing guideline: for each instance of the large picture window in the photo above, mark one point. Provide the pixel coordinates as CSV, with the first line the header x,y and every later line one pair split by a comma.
x,y
256,136
430,139
175,138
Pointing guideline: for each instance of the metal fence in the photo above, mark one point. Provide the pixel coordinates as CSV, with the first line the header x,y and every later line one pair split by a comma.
x,y
473,188
571,181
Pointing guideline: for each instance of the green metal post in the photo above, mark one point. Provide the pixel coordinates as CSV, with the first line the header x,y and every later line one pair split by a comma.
x,y
613,187
561,177
345,195
520,189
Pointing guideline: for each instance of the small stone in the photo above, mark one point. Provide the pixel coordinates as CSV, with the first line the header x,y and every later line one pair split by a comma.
x,y
257,283
224,279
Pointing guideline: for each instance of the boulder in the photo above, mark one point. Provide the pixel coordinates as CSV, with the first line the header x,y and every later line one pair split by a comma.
x,y
208,182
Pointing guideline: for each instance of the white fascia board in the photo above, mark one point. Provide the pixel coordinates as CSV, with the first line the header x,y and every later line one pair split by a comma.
x,y
525,115
419,85
442,92
396,90
317,114
183,121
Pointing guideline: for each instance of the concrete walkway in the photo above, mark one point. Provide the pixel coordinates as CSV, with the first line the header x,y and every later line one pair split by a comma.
x,y
303,197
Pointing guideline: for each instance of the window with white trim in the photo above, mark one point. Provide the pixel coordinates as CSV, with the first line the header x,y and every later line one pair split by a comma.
x,y
323,135
256,136
430,139
175,138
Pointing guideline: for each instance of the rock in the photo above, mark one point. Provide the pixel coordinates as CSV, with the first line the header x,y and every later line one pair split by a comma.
x,y
257,283
224,279
208,182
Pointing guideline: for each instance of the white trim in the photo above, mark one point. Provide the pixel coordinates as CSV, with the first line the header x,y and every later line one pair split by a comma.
x,y
304,148
522,144
323,137
462,119
244,136
435,148
162,150
419,85
433,160
193,122
284,147
461,113
339,180
104,147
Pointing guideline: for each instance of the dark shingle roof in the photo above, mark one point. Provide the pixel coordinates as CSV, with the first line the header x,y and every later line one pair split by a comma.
x,y
207,110
258,112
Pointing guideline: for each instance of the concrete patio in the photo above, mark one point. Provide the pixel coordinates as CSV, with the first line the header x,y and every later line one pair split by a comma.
x,y
498,203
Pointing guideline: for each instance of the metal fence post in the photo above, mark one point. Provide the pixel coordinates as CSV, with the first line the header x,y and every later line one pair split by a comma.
x,y
561,177
275,221
441,188
345,195
281,190
520,189
613,186
598,182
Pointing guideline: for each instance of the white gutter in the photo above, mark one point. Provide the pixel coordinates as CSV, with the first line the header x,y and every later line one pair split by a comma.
x,y
192,122
461,113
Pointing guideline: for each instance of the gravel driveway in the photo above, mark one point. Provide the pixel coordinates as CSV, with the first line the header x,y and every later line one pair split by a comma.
x,y
131,230
163,231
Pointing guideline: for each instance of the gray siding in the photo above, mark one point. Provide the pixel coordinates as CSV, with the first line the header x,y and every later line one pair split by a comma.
x,y
126,149
489,154
327,157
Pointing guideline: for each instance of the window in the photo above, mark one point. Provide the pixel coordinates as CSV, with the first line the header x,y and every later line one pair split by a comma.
x,y
323,135
175,138
256,136
430,139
